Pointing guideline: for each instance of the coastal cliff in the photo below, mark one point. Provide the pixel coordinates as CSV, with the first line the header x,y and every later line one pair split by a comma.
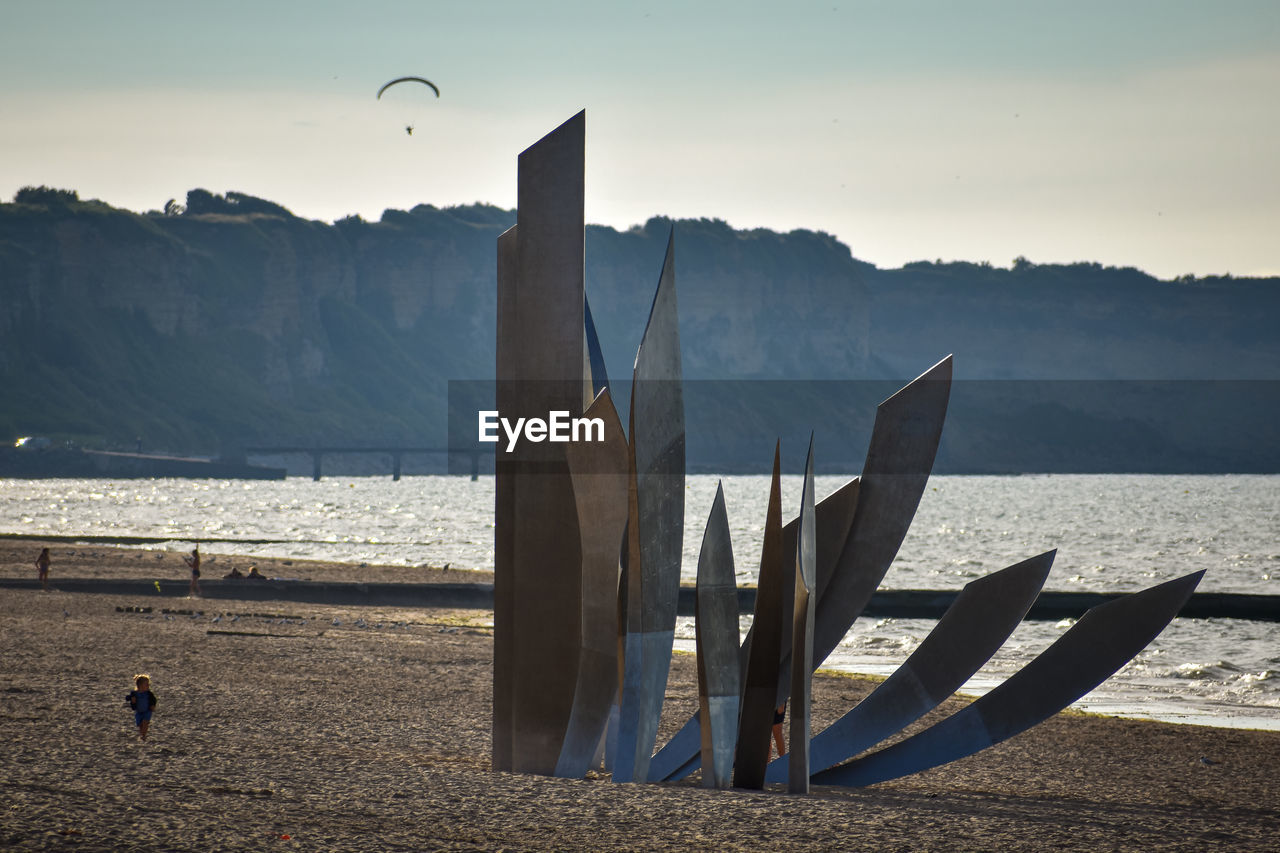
x,y
228,322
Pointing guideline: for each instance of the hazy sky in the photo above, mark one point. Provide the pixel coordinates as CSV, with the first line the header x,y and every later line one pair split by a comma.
x,y
1132,133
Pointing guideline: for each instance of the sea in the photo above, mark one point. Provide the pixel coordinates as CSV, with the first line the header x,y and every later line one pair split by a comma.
x,y
1113,533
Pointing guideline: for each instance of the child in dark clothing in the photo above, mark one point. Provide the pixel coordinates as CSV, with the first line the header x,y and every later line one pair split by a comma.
x,y
143,703
42,567
194,562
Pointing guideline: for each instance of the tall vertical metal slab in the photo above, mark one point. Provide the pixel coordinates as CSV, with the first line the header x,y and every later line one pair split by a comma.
x,y
599,473
547,349
806,581
716,626
904,442
680,756
655,527
976,624
504,509
760,687
1104,640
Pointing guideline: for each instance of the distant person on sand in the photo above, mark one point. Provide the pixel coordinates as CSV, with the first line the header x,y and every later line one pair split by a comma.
x,y
779,715
194,562
255,574
143,703
42,567
234,573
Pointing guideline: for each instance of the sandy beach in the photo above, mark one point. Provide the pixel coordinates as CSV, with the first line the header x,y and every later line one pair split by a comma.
x,y
324,727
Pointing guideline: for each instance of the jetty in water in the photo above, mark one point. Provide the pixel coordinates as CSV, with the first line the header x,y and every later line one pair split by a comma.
x,y
397,455
78,463
898,603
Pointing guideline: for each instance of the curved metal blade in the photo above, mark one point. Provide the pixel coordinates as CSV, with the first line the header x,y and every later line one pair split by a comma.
x,y
904,442
805,583
598,470
761,681
1104,640
656,530
976,624
719,686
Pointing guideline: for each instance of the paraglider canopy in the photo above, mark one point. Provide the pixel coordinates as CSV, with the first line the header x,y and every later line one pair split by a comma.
x,y
387,86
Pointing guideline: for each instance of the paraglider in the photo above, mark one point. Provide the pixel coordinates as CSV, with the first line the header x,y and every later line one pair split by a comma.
x,y
387,86
408,128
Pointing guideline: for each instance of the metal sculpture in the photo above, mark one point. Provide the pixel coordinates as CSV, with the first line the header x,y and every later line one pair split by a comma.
x,y
1104,639
655,528
802,636
760,687
598,470
716,630
587,560
975,625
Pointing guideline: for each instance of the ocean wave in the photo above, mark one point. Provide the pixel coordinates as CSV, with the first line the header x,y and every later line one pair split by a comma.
x,y
1263,677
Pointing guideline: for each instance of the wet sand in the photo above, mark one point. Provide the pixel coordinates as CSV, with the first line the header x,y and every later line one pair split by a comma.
x,y
350,728
105,562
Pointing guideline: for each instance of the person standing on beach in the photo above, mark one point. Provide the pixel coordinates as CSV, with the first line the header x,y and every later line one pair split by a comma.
x,y
42,568
194,562
143,703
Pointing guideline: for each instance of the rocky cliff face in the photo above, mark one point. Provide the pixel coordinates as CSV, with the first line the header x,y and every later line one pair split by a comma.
x,y
199,279
235,323
1076,322
753,304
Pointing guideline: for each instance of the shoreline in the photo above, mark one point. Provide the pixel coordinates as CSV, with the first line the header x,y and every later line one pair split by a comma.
x,y
110,561
71,551
101,568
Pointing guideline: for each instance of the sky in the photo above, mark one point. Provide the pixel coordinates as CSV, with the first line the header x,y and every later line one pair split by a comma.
x,y
1140,133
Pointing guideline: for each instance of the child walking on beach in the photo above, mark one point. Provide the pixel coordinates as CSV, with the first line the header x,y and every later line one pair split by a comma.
x,y
194,562
143,703
42,567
